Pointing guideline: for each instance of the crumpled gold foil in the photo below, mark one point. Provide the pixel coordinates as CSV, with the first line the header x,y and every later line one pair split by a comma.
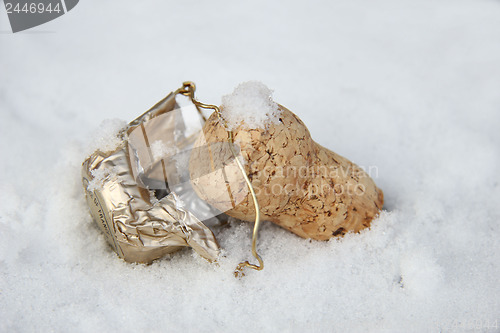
x,y
123,190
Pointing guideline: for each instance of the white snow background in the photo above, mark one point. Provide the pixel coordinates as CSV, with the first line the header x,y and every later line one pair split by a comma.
x,y
410,87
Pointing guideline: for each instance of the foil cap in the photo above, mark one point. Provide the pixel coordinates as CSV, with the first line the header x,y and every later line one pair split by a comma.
x,y
140,194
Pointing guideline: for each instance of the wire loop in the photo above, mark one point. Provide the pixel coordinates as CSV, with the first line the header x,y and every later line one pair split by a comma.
x,y
188,89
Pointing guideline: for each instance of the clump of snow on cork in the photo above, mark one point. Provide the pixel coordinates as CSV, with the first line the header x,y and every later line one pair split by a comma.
x,y
250,106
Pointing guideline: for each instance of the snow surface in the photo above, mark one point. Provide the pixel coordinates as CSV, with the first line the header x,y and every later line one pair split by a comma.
x,y
411,88
250,106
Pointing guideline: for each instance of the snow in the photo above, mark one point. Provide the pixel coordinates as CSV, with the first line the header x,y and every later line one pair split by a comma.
x,y
250,106
160,150
100,175
106,137
408,87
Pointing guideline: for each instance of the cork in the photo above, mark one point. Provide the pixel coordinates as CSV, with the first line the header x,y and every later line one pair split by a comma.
x,y
300,185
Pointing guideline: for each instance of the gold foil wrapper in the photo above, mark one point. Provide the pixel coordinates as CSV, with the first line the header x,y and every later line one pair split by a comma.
x,y
139,193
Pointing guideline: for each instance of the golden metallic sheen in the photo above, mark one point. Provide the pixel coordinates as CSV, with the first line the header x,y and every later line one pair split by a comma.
x,y
138,226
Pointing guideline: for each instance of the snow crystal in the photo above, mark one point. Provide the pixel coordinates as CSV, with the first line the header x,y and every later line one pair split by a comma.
x,y
160,150
106,138
250,105
100,175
